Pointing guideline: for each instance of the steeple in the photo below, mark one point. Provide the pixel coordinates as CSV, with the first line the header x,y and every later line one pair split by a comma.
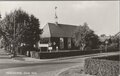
x,y
56,17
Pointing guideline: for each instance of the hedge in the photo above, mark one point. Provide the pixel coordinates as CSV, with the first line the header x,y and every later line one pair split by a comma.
x,y
48,55
102,67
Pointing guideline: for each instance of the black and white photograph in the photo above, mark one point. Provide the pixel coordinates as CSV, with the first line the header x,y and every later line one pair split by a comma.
x,y
60,38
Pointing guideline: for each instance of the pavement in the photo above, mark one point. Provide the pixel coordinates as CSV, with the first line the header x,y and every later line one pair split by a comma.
x,y
27,66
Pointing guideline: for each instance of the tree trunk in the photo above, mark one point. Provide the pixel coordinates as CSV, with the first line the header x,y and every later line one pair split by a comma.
x,y
14,53
29,53
14,50
83,46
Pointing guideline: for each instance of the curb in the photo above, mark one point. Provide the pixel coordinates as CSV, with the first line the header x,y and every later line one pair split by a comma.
x,y
65,69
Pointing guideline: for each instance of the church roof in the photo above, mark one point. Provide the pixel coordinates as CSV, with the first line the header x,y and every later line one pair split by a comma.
x,y
58,30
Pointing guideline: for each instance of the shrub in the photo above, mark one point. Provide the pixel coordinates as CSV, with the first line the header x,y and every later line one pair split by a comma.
x,y
101,67
113,47
46,55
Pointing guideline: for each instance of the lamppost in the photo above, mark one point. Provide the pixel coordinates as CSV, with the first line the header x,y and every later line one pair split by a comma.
x,y
106,43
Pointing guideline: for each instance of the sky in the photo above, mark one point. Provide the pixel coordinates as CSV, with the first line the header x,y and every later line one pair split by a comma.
x,y
101,16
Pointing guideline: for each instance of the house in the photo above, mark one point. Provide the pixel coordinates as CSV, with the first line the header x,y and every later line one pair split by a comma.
x,y
104,38
58,36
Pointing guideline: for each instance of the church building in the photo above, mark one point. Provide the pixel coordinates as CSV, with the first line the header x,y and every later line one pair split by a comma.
x,y
58,36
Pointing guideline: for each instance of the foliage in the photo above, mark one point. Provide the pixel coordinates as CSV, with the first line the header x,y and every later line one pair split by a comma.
x,y
116,40
85,37
102,67
31,36
19,27
113,47
103,35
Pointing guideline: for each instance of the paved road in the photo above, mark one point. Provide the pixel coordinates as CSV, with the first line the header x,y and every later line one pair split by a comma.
x,y
41,68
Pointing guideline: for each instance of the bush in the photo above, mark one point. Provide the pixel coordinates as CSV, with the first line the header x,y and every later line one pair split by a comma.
x,y
102,67
47,55
113,47
111,57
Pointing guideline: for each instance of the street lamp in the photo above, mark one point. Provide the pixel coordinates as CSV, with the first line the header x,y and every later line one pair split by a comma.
x,y
106,42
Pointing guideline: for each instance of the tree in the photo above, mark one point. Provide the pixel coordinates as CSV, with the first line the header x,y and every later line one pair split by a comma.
x,y
31,36
16,26
103,35
116,40
85,37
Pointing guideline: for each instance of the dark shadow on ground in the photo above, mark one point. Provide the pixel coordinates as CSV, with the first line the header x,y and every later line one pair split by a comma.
x,y
19,58
5,58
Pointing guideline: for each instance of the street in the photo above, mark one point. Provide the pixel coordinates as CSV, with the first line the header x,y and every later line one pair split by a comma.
x,y
40,68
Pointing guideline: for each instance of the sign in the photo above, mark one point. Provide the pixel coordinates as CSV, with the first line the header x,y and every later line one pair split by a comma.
x,y
50,48
43,45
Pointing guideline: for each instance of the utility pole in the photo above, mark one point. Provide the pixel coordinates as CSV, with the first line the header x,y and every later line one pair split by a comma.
x,y
14,39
